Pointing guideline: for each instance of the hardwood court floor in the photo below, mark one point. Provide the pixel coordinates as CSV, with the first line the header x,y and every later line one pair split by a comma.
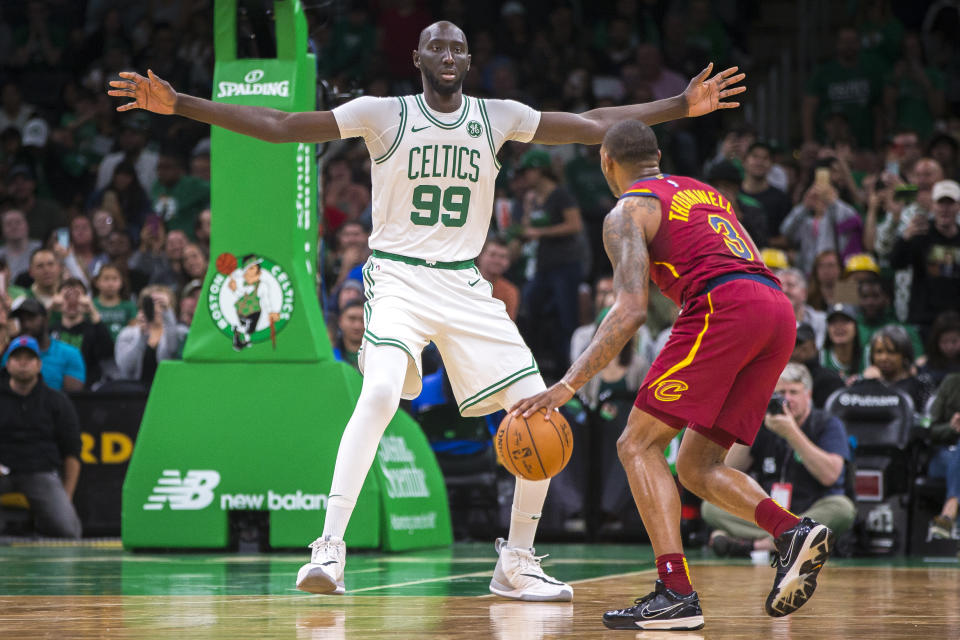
x,y
106,593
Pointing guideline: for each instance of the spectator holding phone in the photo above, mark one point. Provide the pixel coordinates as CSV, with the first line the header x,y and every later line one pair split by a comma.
x,y
799,458
933,252
156,336
822,221
76,321
903,205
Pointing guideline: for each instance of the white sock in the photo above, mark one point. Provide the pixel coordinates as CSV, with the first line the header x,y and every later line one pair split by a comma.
x,y
528,495
384,372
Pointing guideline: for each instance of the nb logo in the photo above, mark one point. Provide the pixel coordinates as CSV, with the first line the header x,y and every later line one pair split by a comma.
x,y
669,390
253,76
192,492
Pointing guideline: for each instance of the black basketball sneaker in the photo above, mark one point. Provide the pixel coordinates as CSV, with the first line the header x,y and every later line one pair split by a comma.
x,y
663,609
801,552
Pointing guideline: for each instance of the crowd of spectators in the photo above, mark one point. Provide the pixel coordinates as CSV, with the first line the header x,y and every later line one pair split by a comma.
x,y
106,219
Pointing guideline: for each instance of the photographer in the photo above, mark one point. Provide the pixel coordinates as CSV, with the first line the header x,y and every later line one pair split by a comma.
x,y
799,459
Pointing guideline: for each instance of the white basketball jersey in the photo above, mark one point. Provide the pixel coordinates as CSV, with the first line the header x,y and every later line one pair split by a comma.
x,y
433,173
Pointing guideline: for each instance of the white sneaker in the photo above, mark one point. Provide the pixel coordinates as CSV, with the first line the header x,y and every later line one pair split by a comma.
x,y
324,572
518,575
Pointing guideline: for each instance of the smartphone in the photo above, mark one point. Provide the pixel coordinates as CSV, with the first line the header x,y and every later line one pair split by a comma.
x,y
822,177
906,193
775,406
63,237
149,311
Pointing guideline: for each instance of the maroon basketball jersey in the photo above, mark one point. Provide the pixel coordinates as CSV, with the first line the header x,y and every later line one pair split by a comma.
x,y
699,237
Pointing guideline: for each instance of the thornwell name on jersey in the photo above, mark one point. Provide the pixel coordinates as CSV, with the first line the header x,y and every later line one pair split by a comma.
x,y
251,86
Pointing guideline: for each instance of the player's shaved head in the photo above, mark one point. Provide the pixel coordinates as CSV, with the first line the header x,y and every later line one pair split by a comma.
x,y
631,142
442,28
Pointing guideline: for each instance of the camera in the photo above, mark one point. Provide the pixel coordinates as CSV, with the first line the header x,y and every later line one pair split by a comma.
x,y
776,404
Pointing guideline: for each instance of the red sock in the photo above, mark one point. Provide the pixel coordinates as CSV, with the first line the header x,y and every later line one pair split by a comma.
x,y
773,518
672,568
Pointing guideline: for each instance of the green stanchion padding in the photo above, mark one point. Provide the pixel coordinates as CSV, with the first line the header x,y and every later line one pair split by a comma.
x,y
251,419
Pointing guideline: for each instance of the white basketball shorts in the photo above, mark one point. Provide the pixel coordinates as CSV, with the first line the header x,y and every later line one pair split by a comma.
x,y
409,305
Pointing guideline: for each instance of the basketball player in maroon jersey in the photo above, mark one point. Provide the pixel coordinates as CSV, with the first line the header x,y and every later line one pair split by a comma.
x,y
715,376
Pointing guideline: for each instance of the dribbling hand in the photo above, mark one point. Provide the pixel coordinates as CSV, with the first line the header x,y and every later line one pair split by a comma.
x,y
705,96
551,399
151,93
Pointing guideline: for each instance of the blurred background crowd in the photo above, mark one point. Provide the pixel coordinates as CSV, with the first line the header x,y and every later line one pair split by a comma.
x,y
842,165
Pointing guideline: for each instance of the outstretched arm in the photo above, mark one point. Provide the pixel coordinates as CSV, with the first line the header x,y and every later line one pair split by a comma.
x,y
701,96
272,125
625,239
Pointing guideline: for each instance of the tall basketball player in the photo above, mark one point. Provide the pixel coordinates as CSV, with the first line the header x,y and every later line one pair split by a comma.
x,y
434,162
717,372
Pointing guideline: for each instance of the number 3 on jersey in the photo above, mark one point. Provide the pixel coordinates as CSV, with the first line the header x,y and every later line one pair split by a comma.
x,y
427,198
738,246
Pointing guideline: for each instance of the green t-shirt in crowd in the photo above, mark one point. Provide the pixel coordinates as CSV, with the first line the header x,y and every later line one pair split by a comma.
x,y
116,317
913,110
14,292
851,92
180,204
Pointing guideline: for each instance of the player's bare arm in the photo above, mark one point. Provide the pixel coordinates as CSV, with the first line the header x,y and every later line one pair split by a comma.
x,y
625,232
152,93
701,96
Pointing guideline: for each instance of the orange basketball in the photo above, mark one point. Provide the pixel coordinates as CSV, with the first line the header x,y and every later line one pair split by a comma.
x,y
226,263
535,448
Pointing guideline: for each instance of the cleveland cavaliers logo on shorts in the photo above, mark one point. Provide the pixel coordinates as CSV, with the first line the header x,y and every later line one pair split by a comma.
x,y
669,390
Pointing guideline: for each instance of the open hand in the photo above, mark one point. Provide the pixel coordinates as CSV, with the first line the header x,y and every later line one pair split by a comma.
x,y
150,93
706,96
551,400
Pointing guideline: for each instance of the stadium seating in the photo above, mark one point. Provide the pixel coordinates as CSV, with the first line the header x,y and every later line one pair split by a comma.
x,y
878,419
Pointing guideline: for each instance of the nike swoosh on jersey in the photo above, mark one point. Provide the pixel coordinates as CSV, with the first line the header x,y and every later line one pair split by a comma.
x,y
414,129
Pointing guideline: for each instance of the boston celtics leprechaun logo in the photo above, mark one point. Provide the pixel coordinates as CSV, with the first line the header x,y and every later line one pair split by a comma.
x,y
250,299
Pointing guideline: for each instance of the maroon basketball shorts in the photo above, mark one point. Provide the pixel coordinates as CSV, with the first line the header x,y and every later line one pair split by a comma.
x,y
719,368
